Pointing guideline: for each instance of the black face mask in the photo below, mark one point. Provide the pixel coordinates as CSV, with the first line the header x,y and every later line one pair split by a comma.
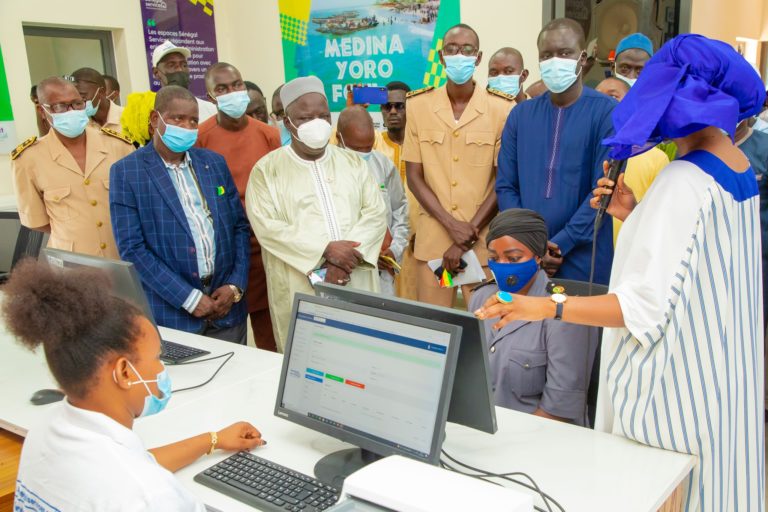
x,y
180,78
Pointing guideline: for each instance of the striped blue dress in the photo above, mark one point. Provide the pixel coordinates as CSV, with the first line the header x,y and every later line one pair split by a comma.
x,y
686,374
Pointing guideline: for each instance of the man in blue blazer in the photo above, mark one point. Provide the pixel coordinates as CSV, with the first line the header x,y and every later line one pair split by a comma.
x,y
177,217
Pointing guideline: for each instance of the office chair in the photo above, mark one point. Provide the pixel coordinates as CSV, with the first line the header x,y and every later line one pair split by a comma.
x,y
581,288
28,243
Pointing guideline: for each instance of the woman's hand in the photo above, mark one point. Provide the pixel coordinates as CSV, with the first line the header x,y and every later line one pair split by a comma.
x,y
522,307
623,201
239,436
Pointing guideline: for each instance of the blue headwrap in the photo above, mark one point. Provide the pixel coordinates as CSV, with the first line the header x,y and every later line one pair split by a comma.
x,y
635,41
691,83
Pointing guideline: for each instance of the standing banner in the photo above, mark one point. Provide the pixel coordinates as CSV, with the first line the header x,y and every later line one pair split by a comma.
x,y
8,139
187,23
369,42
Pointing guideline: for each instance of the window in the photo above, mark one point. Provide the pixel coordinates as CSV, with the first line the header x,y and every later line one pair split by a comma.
x,y
59,51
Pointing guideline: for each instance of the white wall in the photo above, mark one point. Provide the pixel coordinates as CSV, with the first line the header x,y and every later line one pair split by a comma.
x,y
500,23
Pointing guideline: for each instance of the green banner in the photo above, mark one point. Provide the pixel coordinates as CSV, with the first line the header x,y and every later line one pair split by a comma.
x,y
370,42
7,128
6,114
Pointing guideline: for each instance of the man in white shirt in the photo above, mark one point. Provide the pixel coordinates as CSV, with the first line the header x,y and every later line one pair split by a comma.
x,y
169,66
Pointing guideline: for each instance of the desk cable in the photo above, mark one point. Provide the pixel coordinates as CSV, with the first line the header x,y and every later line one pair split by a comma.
x,y
485,475
228,355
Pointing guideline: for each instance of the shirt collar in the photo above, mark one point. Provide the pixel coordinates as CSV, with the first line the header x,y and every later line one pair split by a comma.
x,y
309,163
180,166
99,423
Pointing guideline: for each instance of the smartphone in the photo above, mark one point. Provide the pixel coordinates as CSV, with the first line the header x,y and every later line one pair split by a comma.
x,y
439,270
371,95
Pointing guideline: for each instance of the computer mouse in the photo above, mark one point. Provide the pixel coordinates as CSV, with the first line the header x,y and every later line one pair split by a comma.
x,y
46,396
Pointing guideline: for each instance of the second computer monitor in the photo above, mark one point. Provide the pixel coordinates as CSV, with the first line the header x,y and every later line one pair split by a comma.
x,y
472,402
122,275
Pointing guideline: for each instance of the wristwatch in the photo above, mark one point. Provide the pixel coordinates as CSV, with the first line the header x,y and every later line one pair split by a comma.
x,y
558,297
237,292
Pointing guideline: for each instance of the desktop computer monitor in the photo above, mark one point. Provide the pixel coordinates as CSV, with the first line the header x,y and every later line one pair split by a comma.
x,y
127,286
472,401
122,274
370,377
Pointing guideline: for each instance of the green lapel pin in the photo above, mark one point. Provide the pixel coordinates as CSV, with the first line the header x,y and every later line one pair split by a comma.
x,y
220,190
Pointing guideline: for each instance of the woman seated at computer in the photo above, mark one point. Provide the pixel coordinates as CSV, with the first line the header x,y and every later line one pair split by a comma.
x,y
105,356
536,367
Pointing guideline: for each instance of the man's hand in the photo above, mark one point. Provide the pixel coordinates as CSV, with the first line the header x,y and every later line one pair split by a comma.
x,y
384,265
223,298
336,275
552,259
452,259
205,308
463,234
343,254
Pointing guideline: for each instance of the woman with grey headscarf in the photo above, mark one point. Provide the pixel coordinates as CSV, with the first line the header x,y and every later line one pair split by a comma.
x,y
540,367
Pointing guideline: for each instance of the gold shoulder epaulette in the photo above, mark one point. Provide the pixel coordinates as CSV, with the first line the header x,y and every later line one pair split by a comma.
x,y
411,94
500,94
116,135
21,147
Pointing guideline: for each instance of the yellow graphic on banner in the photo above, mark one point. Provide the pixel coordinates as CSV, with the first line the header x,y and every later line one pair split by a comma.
x,y
435,71
294,19
206,4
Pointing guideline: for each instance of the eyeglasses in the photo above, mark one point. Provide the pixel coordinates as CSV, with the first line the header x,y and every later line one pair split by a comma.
x,y
454,49
60,108
399,105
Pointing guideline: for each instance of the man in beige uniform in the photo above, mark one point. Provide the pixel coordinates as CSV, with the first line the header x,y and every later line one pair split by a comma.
x,y
451,143
62,179
93,87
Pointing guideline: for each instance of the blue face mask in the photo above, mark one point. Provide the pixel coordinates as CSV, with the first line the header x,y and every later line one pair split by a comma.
x,y
512,277
176,138
559,74
153,404
90,110
233,104
70,124
509,84
364,156
285,135
459,68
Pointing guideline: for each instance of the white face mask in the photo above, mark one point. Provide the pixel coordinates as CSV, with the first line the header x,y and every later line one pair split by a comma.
x,y
314,134
630,81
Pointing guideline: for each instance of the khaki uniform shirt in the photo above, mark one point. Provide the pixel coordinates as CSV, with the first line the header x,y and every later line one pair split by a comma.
x,y
52,189
113,118
459,160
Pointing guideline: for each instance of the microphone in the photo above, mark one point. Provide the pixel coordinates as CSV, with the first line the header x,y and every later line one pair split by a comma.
x,y
615,167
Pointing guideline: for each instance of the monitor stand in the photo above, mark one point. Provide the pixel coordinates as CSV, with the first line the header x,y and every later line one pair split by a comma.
x,y
335,467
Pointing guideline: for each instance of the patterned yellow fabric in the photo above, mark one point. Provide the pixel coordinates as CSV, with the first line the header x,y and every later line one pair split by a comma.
x,y
435,73
207,5
293,29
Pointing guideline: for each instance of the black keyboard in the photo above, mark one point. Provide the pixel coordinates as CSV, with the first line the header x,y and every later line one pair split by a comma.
x,y
266,485
175,353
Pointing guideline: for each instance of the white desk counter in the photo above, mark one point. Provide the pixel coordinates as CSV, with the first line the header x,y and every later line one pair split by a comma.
x,y
23,372
582,469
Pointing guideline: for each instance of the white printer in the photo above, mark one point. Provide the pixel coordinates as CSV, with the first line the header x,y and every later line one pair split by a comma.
x,y
400,484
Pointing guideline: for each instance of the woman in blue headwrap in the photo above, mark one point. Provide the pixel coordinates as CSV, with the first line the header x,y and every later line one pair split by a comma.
x,y
682,358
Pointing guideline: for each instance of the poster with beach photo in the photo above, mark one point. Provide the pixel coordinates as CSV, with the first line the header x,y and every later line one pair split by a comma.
x,y
370,42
